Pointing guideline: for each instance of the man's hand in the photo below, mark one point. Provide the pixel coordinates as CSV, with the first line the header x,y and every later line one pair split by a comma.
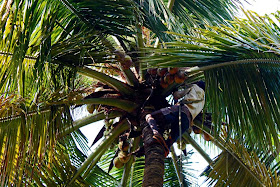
x,y
179,94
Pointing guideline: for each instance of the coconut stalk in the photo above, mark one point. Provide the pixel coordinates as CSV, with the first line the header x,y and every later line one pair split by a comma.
x,y
246,61
128,165
129,75
140,43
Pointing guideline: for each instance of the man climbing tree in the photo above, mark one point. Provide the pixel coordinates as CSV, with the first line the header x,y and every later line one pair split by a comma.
x,y
188,108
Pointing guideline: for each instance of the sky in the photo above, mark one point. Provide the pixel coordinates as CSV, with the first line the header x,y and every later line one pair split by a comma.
x,y
261,7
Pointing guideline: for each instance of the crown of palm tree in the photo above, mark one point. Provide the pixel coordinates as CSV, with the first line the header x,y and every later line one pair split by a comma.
x,y
51,50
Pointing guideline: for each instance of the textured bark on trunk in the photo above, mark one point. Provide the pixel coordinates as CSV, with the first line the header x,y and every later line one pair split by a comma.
x,y
154,161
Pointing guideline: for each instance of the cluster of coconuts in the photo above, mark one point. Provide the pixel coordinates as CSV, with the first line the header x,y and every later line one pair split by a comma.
x,y
167,76
123,155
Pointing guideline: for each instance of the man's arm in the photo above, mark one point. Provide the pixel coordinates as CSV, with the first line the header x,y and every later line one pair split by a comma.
x,y
179,94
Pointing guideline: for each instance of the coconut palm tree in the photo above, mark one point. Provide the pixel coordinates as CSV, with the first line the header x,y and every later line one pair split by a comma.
x,y
58,55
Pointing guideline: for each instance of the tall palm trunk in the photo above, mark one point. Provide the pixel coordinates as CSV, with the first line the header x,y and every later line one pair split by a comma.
x,y
154,161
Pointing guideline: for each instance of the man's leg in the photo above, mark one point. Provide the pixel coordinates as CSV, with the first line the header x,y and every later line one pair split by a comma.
x,y
152,123
173,119
153,119
175,128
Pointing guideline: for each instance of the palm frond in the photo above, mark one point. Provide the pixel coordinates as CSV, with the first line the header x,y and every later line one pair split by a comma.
x,y
253,170
35,158
26,139
170,176
110,17
99,151
250,100
158,18
98,177
197,14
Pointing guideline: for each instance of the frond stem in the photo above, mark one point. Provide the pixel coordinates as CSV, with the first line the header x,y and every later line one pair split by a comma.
x,y
11,54
90,119
140,43
170,5
177,168
118,85
245,61
187,137
125,105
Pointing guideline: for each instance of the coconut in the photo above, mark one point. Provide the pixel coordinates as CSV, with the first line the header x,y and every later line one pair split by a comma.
x,y
120,54
196,130
173,71
207,137
117,163
179,77
123,145
127,62
123,157
162,71
163,84
169,79
90,108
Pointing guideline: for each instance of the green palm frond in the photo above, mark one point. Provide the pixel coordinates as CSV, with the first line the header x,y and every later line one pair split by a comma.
x,y
170,176
158,18
250,97
110,17
28,138
197,14
95,156
27,50
36,162
98,177
252,38
245,167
